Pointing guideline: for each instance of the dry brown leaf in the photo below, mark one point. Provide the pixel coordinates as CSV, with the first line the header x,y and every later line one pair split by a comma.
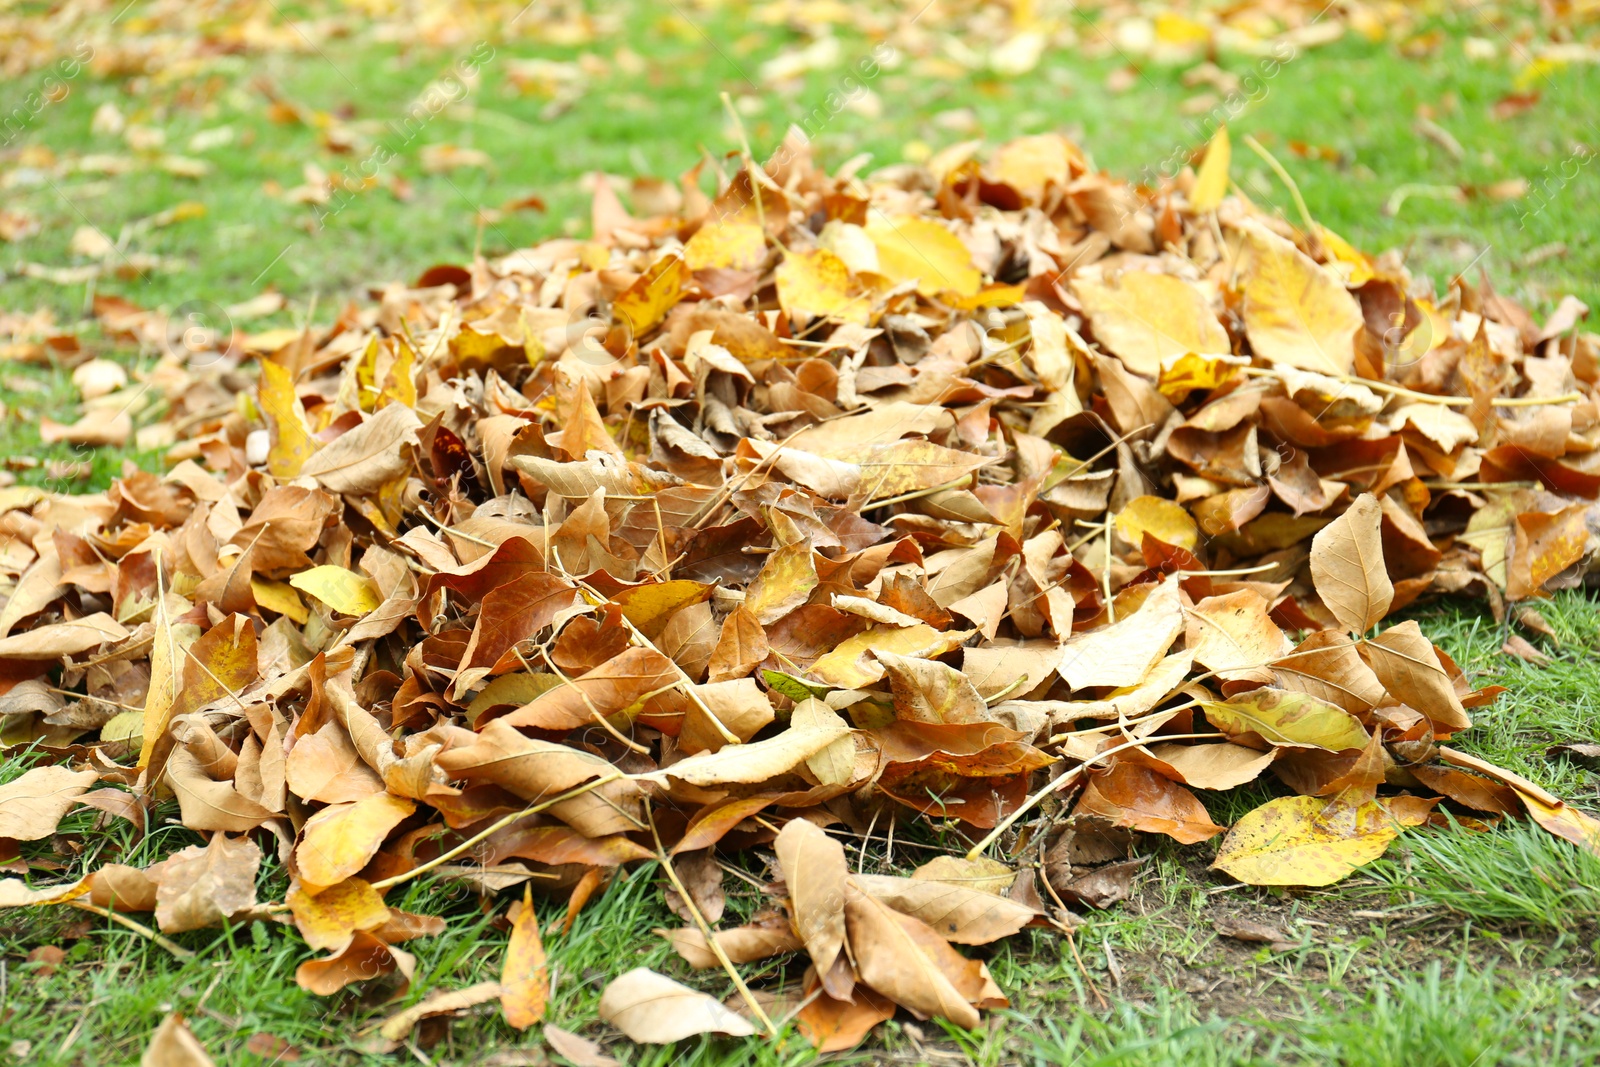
x,y
1347,566
202,886
32,804
814,868
652,1009
174,1045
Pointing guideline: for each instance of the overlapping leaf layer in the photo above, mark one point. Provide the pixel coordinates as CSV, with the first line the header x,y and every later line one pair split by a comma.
x,y
997,493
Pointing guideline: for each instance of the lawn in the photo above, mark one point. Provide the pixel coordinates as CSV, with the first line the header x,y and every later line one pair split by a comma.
x,y
476,129
204,169
1458,948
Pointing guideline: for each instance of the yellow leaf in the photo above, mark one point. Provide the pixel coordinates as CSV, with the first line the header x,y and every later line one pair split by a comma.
x,y
908,466
165,670
1212,183
341,589
650,606
997,295
1305,841
646,302
1286,718
202,668
330,919
399,385
732,243
279,597
1296,312
292,443
1160,518
1182,375
1148,318
524,979
514,689
912,249
124,726
984,874
836,763
849,667
1181,31
1029,164
818,283
340,839
785,582
1356,265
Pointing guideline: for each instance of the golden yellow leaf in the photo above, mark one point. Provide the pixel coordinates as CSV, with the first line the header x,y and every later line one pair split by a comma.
x,y
330,919
785,582
1182,375
280,597
1147,318
912,249
1357,266
908,467
341,589
646,302
650,606
524,978
1211,185
850,666
1306,841
818,283
1282,717
292,443
1029,164
1544,545
732,243
340,839
1160,518
1296,312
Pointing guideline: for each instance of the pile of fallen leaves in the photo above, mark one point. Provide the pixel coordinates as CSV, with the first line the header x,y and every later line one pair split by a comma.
x,y
996,493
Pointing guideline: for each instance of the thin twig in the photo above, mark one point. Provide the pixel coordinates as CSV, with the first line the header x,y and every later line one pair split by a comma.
x,y
495,827
139,928
1061,783
705,929
1426,398
687,682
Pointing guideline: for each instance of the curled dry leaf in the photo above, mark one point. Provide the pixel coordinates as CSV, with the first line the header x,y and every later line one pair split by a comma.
x,y
32,804
653,1009
741,944
202,885
814,868
442,1002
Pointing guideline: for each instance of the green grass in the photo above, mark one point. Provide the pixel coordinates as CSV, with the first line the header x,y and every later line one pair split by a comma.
x,y
1370,975
1356,99
1520,907
1512,875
